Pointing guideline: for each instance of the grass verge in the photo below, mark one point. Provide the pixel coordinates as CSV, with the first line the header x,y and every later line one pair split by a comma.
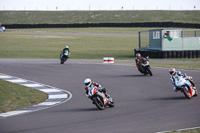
x,y
14,96
183,65
186,131
49,45
116,16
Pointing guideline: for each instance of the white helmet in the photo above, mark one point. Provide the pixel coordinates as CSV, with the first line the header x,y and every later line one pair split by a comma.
x,y
66,46
88,82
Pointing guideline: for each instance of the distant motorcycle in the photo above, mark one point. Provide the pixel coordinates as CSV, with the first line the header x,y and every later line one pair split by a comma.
x,y
185,86
64,56
145,67
99,99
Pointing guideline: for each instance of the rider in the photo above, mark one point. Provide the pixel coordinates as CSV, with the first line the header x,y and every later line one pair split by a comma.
x,y
173,73
139,59
89,84
66,48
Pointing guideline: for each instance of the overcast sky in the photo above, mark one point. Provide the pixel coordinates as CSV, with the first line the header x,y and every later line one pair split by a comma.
x,y
99,5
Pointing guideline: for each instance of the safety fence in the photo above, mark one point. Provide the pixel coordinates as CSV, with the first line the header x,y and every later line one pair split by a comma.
x,y
80,25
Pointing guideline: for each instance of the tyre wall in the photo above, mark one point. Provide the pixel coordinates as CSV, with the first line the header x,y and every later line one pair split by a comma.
x,y
168,54
81,25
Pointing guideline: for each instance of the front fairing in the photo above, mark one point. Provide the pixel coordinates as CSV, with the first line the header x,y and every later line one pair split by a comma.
x,y
180,81
145,63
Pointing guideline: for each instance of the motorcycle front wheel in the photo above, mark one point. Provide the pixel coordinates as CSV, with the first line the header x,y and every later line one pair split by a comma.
x,y
99,103
62,60
149,71
186,92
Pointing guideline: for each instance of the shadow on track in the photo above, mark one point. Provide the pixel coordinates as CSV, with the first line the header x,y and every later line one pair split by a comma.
x,y
139,75
82,109
170,98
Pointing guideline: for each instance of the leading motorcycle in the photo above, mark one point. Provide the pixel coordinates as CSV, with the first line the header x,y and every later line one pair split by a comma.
x,y
64,56
99,98
185,86
145,67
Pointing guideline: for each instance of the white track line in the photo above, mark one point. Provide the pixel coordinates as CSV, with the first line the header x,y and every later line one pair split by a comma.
x,y
179,130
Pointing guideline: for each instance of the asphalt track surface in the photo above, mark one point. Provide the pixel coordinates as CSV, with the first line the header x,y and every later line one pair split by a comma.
x,y
144,104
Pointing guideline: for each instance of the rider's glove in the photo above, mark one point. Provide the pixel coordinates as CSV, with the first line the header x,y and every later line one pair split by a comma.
x,y
189,77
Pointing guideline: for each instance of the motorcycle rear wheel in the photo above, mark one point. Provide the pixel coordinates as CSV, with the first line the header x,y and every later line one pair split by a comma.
x,y
99,103
186,92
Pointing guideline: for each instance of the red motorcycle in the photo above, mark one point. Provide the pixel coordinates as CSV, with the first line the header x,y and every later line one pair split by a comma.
x,y
99,98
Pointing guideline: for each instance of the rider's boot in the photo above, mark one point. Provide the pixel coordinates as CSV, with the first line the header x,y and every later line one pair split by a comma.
x,y
195,90
175,89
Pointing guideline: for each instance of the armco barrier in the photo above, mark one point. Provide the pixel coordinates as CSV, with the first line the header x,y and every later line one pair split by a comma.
x,y
77,25
168,54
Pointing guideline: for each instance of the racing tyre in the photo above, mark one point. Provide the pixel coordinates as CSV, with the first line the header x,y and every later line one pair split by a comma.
x,y
62,60
99,103
186,92
149,71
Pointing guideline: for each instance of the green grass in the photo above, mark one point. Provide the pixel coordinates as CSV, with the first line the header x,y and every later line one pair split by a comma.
x,y
48,46
134,30
39,45
70,17
187,131
14,96
185,65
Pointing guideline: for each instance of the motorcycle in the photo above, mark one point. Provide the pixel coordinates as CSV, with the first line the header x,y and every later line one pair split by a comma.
x,y
145,67
185,86
99,99
64,56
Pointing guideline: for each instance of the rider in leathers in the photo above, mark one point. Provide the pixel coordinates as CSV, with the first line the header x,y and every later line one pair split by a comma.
x,y
66,48
138,60
174,73
89,84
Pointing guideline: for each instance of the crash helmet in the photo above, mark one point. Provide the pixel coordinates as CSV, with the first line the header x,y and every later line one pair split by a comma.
x,y
172,71
66,46
138,55
88,82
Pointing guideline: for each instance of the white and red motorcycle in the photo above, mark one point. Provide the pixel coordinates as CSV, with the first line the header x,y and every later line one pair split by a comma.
x,y
99,98
185,86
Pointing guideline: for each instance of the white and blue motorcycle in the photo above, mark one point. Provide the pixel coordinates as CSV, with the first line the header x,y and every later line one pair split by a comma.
x,y
185,86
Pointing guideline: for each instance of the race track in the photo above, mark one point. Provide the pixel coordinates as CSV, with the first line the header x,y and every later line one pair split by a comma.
x,y
144,104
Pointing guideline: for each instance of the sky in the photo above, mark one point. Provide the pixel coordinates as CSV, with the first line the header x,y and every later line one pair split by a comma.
x,y
60,5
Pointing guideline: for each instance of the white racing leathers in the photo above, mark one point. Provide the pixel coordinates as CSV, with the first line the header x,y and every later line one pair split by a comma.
x,y
87,89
